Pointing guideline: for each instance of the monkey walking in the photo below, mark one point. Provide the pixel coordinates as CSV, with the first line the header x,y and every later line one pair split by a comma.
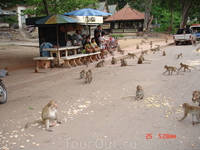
x,y
82,74
193,110
132,55
100,64
144,52
88,77
85,62
186,67
49,116
171,69
113,61
179,55
139,93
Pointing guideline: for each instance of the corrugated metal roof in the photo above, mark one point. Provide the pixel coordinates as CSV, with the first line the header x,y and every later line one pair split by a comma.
x,y
126,13
112,8
101,6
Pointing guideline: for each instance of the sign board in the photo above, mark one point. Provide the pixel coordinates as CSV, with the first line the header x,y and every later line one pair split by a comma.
x,y
90,20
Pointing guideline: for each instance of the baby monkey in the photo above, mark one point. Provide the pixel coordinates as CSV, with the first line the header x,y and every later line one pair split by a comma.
x,y
179,55
113,61
82,74
164,53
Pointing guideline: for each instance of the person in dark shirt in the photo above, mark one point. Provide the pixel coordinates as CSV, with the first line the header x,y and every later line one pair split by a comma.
x,y
87,46
97,33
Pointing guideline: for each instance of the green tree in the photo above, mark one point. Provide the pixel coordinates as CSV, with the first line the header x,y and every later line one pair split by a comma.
x,y
57,7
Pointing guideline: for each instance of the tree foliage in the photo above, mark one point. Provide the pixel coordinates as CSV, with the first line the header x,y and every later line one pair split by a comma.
x,y
57,7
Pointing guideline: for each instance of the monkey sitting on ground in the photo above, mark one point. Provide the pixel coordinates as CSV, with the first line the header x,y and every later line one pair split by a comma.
x,y
82,74
119,50
140,59
88,77
49,116
132,55
139,93
100,64
36,69
198,49
166,39
196,96
137,47
170,70
151,43
113,61
193,110
186,67
123,62
164,53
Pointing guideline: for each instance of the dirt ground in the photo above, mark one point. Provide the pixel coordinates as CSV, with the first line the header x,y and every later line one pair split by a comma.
x,y
94,116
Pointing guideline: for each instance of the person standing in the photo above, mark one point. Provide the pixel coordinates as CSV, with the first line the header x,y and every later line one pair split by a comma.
x,y
78,37
97,33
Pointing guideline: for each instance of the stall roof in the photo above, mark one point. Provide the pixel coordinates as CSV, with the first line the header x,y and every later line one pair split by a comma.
x,y
126,13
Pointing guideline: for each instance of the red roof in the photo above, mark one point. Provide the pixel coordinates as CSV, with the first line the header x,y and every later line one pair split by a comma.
x,y
126,13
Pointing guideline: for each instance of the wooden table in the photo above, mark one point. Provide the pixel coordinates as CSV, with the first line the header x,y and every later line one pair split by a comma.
x,y
58,60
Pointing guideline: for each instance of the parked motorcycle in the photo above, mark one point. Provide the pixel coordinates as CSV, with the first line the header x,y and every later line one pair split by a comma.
x,y
3,92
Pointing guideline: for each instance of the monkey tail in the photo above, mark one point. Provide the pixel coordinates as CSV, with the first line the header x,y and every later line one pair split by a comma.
x,y
32,122
128,96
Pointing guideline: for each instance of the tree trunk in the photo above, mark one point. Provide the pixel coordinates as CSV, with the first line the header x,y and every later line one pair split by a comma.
x,y
46,7
186,7
148,4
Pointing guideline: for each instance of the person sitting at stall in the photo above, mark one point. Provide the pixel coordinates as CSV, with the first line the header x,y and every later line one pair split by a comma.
x,y
45,45
94,45
87,47
84,39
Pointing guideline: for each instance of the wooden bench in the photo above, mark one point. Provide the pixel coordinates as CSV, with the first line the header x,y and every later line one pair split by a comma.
x,y
44,62
75,60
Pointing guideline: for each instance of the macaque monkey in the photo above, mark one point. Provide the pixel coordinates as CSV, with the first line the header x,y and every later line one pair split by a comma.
x,y
7,73
139,93
166,40
137,47
145,37
100,64
112,52
113,61
123,62
164,53
52,64
198,49
153,50
142,41
36,69
179,55
158,48
85,62
88,77
196,97
170,70
151,43
82,74
145,52
105,53
140,60
132,55
193,110
49,116
186,67
124,39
